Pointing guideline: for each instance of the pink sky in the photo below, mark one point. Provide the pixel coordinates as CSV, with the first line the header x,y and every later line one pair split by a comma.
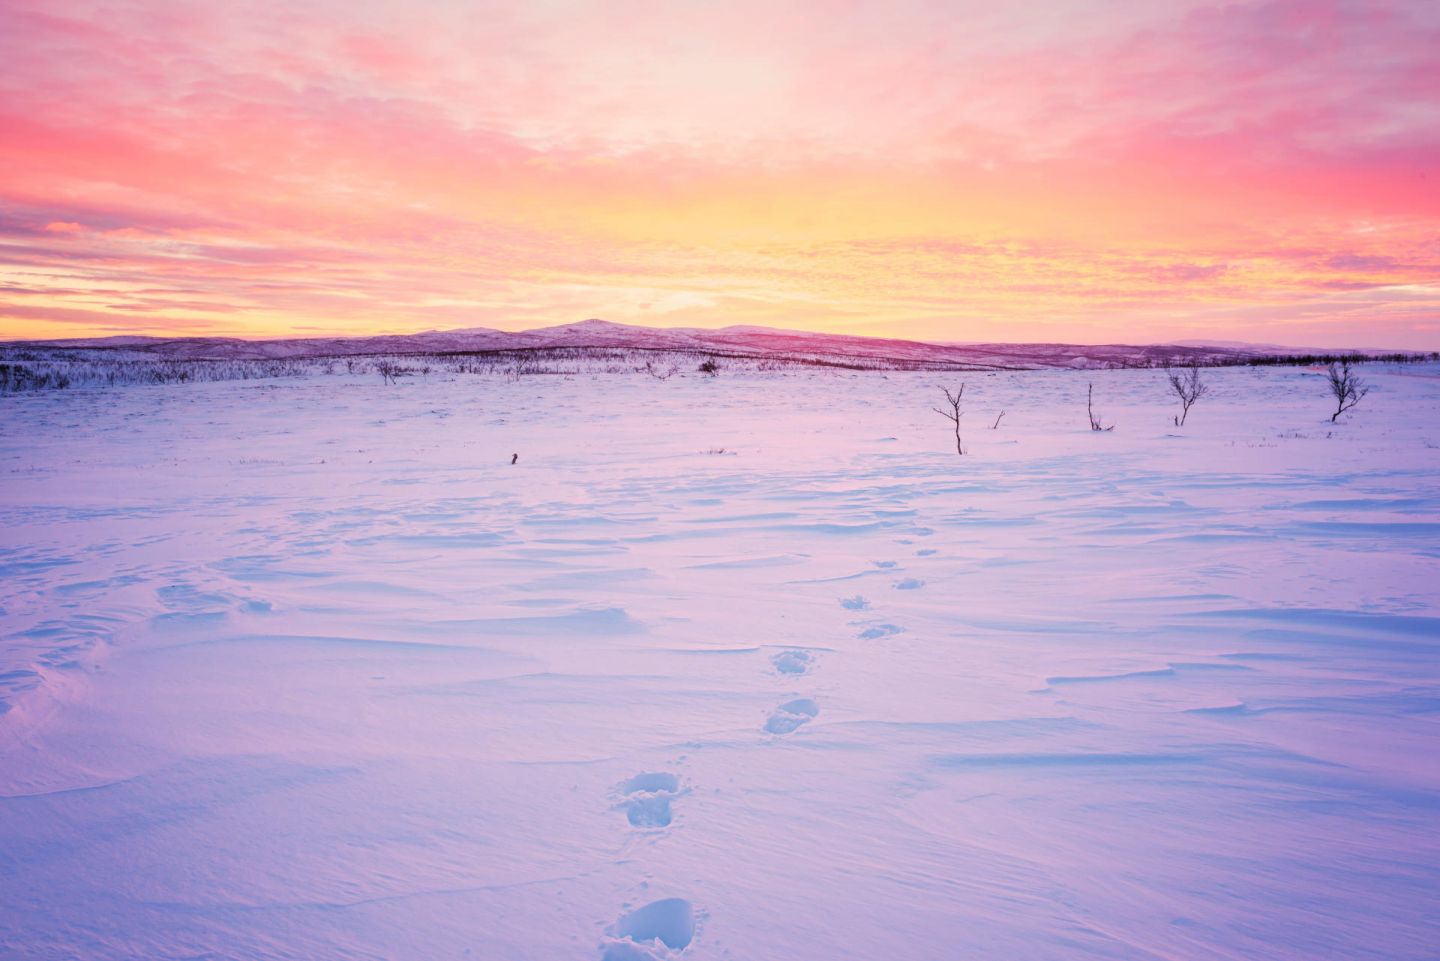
x,y
1084,171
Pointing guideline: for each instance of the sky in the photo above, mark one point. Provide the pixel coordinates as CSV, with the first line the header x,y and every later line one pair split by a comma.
x,y
1093,171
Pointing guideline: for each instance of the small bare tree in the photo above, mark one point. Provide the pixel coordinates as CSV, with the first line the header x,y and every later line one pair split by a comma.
x,y
391,372
1188,387
1090,409
1347,387
953,414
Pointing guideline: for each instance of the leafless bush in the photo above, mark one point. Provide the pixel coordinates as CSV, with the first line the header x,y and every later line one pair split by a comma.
x,y
1188,386
531,367
709,367
659,374
953,414
391,372
1347,387
1090,409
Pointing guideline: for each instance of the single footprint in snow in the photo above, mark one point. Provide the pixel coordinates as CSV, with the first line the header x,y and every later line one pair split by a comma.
x,y
647,797
791,715
886,565
645,933
187,599
909,584
880,630
856,603
793,662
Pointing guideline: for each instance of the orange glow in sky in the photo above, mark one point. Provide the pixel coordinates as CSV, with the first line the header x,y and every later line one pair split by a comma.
x,y
1075,170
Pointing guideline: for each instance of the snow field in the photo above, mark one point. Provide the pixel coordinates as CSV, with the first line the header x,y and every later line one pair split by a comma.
x,y
308,669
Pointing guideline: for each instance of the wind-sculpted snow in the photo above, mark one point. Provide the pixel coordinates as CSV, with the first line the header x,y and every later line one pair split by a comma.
x,y
730,667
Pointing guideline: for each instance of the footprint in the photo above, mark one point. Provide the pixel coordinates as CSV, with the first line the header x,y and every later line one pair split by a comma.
x,y
856,603
185,598
886,565
793,662
643,934
647,799
909,584
880,630
791,715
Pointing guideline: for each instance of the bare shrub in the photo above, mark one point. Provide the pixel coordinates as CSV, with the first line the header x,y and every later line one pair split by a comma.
x,y
654,371
391,372
709,367
1346,386
1090,409
953,414
1188,386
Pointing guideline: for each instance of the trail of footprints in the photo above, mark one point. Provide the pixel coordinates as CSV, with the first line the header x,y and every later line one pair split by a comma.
x,y
664,928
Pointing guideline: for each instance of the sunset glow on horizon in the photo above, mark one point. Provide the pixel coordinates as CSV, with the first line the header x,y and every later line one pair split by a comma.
x,y
1078,171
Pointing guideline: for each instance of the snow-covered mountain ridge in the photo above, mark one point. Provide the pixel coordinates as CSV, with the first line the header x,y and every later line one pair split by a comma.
x,y
734,341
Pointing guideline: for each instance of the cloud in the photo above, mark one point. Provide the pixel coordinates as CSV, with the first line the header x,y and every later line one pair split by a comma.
x,y
389,166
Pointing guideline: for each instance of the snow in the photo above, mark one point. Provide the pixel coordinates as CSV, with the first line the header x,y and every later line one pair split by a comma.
x,y
306,668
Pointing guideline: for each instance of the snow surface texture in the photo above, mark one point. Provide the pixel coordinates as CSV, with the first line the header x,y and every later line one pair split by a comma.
x,y
309,670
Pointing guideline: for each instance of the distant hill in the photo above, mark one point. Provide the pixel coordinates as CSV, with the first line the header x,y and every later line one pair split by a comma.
x,y
740,341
